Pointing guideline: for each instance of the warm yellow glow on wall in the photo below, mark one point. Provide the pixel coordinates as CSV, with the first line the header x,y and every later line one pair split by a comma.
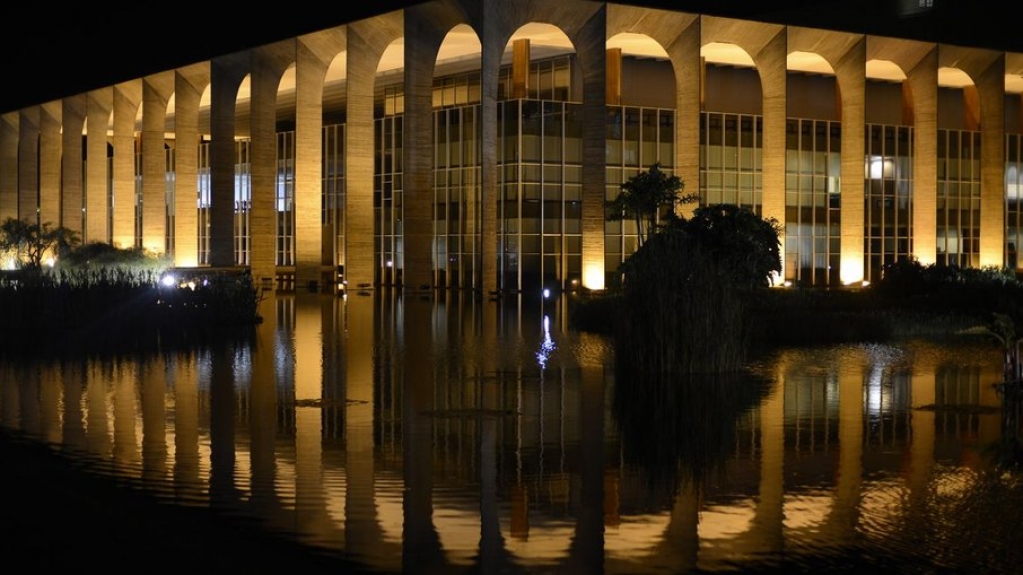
x,y
852,270
991,258
593,275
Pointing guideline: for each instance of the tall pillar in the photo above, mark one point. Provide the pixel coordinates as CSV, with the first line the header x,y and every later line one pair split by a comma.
x,y
493,43
366,42
226,76
9,165
991,87
689,76
156,93
127,97
771,63
520,69
49,163
923,82
312,249
28,165
591,43
72,208
97,170
189,84
421,44
268,65
851,70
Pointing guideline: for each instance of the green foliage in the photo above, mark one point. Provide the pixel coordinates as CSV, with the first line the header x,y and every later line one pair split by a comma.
x,y
29,243
685,291
101,255
647,197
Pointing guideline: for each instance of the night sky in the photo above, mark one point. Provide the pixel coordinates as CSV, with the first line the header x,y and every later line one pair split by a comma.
x,y
51,51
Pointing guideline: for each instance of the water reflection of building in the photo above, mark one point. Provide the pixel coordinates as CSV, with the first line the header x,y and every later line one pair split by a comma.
x,y
491,157
353,424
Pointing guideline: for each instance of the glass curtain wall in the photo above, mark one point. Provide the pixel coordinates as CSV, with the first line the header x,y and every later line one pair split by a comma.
x,y
636,138
284,204
170,178
889,200
387,199
731,160
333,190
1013,199
812,202
204,203
242,202
958,235
456,192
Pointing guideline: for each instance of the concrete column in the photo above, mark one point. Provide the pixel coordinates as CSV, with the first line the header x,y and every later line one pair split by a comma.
x,y
771,63
685,57
188,87
850,68
72,208
493,41
991,86
591,47
28,165
923,81
97,171
49,163
9,165
314,243
422,41
226,76
127,97
268,65
156,93
366,42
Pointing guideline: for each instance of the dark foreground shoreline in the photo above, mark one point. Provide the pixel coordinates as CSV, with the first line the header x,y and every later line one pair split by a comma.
x,y
56,517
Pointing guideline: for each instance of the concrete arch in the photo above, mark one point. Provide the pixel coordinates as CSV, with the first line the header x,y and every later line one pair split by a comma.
x,y
189,85
98,126
768,47
315,60
157,91
987,69
127,98
366,42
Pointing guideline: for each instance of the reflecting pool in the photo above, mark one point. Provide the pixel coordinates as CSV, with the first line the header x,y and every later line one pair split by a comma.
x,y
420,435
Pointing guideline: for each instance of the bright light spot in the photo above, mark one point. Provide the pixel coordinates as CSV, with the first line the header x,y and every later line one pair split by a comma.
x,y
168,280
546,294
593,276
389,263
547,346
51,262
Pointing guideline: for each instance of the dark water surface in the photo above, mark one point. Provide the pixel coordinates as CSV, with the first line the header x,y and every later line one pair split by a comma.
x,y
421,436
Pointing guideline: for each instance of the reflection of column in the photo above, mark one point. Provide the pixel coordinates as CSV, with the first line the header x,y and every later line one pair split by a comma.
x,y
308,411
154,417
97,422
586,554
263,412
222,448
682,538
842,521
422,551
185,377
9,397
73,382
491,542
769,516
126,449
362,531
921,438
49,403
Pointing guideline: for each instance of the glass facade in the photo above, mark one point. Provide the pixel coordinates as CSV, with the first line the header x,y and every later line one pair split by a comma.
x,y
812,202
636,139
958,217
1013,199
539,186
888,192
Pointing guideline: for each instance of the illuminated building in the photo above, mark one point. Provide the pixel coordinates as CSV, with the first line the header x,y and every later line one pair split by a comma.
x,y
472,145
